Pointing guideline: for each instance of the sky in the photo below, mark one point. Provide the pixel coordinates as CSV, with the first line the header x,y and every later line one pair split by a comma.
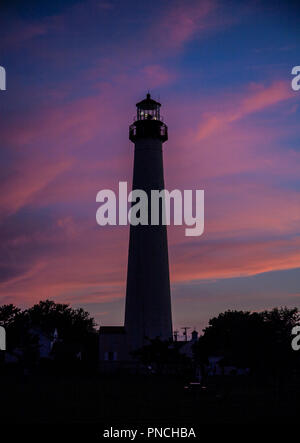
x,y
222,71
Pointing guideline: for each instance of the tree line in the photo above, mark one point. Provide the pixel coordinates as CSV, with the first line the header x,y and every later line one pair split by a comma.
x,y
260,341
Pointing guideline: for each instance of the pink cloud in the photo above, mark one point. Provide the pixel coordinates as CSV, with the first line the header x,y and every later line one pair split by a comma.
x,y
183,21
18,33
157,75
228,259
75,263
257,99
22,32
63,153
20,189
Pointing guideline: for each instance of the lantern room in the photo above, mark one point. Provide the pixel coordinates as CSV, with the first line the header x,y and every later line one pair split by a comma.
x,y
148,109
148,121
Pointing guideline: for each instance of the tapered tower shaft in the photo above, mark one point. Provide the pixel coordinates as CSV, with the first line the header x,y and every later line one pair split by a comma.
x,y
148,301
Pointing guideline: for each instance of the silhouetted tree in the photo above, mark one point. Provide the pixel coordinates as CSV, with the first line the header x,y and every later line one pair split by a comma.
x,y
14,321
277,352
75,327
18,335
260,341
8,315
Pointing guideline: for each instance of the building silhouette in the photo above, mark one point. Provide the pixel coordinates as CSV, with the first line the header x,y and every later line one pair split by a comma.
x,y
148,301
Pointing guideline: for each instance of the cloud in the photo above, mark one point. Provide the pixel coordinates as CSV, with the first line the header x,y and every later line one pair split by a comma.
x,y
61,258
182,22
17,32
257,99
234,258
20,189
157,75
64,140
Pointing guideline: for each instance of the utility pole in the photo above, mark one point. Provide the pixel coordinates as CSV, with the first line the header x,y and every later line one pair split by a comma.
x,y
185,329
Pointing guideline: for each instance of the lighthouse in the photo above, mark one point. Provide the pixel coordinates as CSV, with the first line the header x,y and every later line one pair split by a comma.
x,y
148,301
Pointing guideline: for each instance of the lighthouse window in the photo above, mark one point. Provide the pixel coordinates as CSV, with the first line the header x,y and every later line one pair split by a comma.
x,y
148,114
